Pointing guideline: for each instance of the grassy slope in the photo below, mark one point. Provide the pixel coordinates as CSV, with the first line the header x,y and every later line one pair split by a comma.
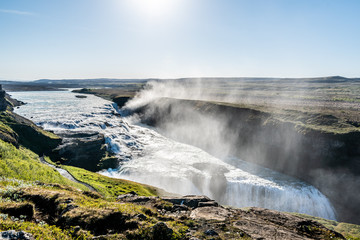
x,y
21,163
350,231
110,187
92,211
22,175
25,165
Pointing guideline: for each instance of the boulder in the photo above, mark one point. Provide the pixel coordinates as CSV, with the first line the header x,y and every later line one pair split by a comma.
x,y
14,235
82,149
191,201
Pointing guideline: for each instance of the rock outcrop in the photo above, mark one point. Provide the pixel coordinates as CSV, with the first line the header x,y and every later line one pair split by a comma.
x,y
3,102
192,201
18,130
29,135
6,102
215,220
82,149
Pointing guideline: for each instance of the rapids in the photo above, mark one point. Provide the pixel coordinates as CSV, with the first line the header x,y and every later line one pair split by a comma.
x,y
148,157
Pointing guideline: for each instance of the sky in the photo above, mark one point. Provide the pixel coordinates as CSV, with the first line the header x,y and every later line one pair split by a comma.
x,y
62,39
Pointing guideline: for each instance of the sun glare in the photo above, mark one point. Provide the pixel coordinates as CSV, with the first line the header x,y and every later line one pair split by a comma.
x,y
155,9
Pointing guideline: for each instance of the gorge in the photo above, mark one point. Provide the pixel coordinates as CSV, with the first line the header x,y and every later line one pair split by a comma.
x,y
147,156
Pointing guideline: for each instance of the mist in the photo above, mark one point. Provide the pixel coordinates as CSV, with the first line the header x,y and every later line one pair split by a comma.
x,y
236,120
211,123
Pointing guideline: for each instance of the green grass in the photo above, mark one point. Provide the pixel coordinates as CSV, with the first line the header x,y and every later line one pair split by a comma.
x,y
39,230
25,165
346,99
110,187
89,209
5,128
348,230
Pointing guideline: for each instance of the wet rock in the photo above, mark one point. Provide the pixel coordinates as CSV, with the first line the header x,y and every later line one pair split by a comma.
x,y
14,235
191,201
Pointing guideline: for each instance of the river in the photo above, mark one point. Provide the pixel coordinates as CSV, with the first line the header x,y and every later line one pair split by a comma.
x,y
151,158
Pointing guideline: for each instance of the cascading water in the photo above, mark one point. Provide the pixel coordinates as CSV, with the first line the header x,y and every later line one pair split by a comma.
x,y
151,158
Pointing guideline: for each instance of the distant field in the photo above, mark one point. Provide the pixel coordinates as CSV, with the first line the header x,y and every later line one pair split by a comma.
x,y
328,104
325,105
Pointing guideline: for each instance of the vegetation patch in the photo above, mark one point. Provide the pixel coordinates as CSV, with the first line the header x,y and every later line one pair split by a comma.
x,y
41,230
67,209
21,163
110,187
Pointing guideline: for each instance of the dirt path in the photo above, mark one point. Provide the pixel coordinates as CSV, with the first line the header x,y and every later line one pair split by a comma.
x,y
66,174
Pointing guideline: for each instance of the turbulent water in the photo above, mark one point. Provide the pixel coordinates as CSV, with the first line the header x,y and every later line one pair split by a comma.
x,y
151,158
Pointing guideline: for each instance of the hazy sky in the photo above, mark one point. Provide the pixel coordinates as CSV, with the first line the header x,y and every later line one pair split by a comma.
x,y
178,38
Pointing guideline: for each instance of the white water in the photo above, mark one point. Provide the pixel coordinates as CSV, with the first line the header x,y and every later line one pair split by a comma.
x,y
151,158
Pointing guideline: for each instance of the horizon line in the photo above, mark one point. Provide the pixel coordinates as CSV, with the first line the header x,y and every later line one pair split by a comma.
x,y
176,78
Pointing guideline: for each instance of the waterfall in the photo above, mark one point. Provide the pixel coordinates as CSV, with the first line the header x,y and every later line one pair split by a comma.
x,y
151,158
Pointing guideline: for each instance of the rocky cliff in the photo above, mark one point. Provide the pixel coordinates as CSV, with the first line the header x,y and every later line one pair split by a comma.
x,y
328,160
86,150
18,130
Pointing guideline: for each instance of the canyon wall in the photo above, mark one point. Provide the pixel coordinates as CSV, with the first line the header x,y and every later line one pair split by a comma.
x,y
329,161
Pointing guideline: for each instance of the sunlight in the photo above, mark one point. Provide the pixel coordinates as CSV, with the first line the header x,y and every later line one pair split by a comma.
x,y
154,10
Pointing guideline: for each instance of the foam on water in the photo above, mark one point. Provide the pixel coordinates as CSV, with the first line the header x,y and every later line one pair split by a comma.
x,y
151,158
